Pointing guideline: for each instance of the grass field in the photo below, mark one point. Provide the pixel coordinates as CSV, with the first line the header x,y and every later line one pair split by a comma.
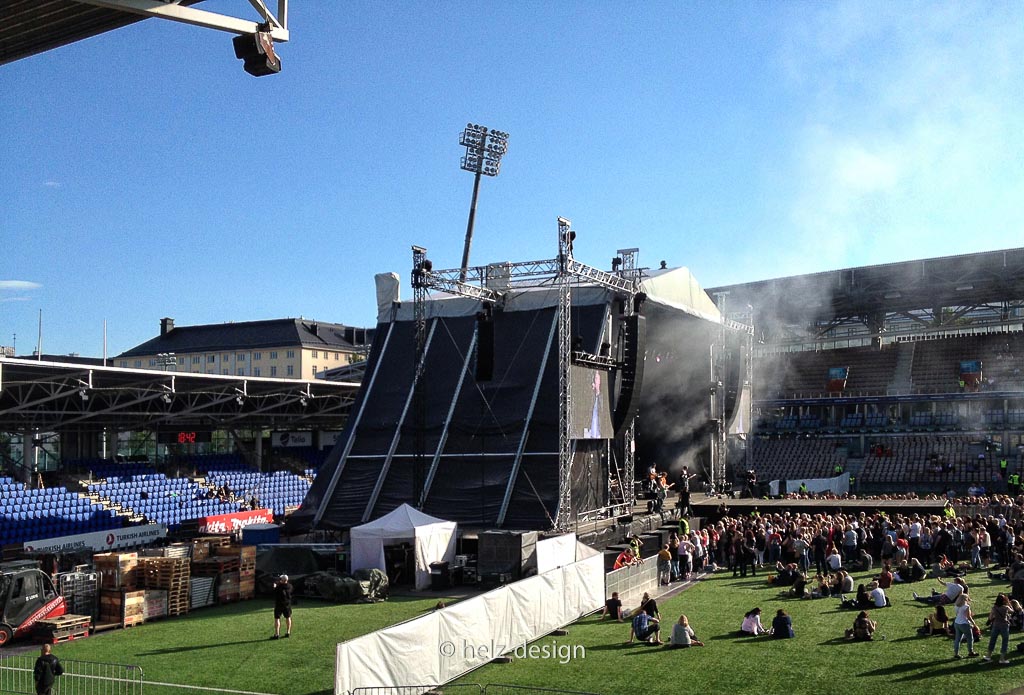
x,y
817,661
227,647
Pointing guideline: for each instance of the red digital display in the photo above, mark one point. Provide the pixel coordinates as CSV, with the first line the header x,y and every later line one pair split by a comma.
x,y
184,436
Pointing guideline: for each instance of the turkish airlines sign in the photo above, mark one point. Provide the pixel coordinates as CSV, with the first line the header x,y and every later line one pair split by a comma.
x,y
228,523
99,540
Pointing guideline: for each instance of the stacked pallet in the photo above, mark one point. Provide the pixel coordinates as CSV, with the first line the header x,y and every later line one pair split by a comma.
x,y
246,555
117,570
122,608
63,629
170,574
156,603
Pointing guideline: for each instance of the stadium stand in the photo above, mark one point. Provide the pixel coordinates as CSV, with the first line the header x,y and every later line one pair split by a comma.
x,y
805,374
797,457
27,515
936,362
940,458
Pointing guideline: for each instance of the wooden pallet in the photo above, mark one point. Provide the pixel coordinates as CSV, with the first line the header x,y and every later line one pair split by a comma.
x,y
70,637
63,622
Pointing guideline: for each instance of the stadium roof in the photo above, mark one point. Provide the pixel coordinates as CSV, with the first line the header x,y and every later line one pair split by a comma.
x,y
52,396
28,27
249,335
918,290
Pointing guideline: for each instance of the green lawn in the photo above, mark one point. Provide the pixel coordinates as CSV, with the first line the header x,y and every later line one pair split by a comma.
x,y
227,647
817,661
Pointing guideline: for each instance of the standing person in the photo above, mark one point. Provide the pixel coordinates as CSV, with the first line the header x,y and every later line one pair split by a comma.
x,y
684,491
46,670
963,626
664,565
999,619
282,605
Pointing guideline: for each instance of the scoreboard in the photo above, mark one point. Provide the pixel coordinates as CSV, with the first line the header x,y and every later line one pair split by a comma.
x,y
180,436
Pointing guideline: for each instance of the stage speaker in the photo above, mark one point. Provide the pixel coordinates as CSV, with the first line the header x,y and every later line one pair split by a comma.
x,y
484,347
631,374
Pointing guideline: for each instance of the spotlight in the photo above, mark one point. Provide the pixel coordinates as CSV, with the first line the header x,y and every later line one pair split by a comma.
x,y
616,263
303,402
166,398
83,395
239,400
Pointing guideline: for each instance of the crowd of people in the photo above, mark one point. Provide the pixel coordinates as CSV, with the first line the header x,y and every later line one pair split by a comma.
x,y
788,546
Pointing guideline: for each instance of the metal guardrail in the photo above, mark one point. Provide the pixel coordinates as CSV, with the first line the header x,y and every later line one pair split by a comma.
x,y
79,678
632,582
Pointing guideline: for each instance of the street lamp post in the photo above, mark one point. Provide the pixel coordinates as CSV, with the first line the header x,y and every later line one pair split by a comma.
x,y
484,150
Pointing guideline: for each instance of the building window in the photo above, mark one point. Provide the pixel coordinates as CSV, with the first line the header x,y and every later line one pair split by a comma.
x,y
225,357
291,370
290,354
255,371
240,357
124,363
211,359
314,370
227,371
315,354
152,362
241,371
197,359
273,370
273,354
138,363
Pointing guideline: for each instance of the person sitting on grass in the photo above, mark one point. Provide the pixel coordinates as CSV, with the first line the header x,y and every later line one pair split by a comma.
x,y
782,625
912,571
645,629
861,602
863,628
752,624
952,592
834,559
877,595
799,588
821,588
937,623
942,567
682,635
786,574
865,563
1016,615
612,608
885,577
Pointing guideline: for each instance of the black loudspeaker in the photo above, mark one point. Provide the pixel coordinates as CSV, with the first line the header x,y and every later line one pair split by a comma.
x,y
257,50
484,347
632,373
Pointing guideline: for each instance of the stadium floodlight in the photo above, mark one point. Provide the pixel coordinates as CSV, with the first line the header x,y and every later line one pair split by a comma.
x,y
484,150
257,52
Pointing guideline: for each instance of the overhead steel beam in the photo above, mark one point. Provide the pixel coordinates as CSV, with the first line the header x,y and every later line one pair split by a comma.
x,y
201,18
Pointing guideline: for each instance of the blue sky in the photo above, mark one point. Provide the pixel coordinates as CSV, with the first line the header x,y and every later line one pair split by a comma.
x,y
146,175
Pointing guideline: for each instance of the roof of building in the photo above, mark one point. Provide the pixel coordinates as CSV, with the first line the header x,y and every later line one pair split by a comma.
x,y
249,335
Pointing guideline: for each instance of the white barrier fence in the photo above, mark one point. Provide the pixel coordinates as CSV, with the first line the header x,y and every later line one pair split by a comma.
x,y
632,582
448,643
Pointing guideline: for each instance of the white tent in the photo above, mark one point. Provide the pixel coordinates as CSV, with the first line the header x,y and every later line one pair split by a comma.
x,y
432,538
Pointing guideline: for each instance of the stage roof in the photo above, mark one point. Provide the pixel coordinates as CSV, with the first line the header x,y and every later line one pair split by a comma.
x,y
53,396
966,281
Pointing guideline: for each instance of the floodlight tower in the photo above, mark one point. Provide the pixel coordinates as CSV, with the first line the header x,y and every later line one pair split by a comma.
x,y
484,150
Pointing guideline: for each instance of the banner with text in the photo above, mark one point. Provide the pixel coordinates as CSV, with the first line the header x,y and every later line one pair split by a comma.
x,y
290,439
228,523
99,540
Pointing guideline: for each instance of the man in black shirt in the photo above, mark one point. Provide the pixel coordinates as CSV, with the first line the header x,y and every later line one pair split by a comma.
x,y
282,605
46,670
613,607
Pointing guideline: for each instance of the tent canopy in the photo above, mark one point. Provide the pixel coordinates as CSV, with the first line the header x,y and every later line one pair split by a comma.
x,y
433,540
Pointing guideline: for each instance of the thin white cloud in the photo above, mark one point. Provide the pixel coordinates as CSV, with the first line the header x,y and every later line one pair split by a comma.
x,y
13,299
51,184
911,143
18,285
